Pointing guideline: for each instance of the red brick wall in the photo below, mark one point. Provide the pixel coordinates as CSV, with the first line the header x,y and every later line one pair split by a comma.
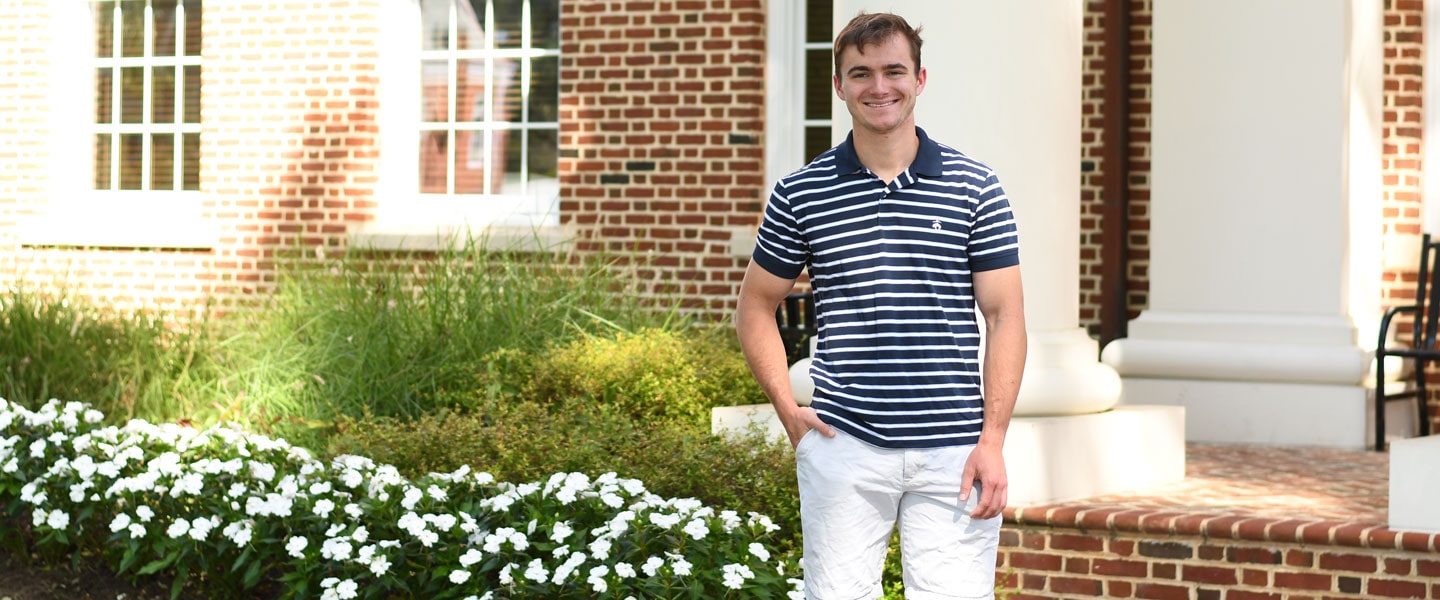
x,y
288,153
1093,168
1042,563
662,124
1403,140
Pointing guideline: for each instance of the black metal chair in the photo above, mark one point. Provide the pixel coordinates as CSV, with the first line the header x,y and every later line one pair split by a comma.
x,y
796,319
1422,348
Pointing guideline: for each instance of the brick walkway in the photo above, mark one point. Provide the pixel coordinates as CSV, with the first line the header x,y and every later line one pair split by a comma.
x,y
1307,495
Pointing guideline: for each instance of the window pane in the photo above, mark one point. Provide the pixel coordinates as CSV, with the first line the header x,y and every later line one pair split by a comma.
x,y
162,161
509,30
817,141
104,88
190,154
509,96
544,148
435,24
130,160
818,84
470,24
132,28
470,90
435,103
192,94
818,17
162,99
432,162
132,95
192,27
545,24
102,161
545,90
104,29
470,154
164,14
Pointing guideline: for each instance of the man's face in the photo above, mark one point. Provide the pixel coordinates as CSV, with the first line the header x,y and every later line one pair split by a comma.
x,y
879,85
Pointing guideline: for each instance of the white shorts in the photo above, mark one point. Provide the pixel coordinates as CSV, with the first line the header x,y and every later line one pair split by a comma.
x,y
851,496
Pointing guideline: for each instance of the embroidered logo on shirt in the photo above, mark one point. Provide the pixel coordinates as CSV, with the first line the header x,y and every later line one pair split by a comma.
x,y
935,224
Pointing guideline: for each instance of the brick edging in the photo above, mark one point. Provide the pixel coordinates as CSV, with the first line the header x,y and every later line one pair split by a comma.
x,y
1223,526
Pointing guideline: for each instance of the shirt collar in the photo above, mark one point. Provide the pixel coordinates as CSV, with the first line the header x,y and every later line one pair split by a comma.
x,y
927,158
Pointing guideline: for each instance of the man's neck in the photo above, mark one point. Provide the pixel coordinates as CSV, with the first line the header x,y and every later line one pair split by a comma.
x,y
887,155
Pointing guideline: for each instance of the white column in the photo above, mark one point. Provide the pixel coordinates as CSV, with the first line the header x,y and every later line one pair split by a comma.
x,y
1004,88
1265,234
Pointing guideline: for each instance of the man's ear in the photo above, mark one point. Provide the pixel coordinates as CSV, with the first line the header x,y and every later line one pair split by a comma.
x,y
835,81
921,79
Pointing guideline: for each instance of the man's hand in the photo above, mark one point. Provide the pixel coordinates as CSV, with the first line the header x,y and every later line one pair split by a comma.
x,y
801,422
985,466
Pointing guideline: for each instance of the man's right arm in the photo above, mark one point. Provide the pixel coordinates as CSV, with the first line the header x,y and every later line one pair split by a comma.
x,y
760,293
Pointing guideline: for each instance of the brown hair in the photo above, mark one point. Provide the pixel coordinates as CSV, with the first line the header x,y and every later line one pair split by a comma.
x,y
869,29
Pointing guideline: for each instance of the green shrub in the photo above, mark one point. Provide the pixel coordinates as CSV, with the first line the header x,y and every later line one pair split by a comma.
x,y
650,374
522,441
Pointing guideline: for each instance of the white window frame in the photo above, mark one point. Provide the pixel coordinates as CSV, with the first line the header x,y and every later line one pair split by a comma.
x,y
785,89
405,218
75,213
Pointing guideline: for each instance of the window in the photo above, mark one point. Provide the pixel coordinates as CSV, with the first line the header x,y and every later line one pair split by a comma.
x,y
147,95
800,113
470,95
124,120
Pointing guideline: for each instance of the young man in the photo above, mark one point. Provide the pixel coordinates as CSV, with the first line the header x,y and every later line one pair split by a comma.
x,y
904,239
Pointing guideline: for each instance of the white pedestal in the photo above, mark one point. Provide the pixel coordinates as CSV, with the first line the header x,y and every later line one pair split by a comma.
x,y
1259,412
1051,459
1415,484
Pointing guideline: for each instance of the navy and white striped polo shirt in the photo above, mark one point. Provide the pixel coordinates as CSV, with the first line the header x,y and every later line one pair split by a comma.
x,y
898,362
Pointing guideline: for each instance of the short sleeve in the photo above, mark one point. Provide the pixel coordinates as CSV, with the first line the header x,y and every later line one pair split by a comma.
x,y
780,246
994,242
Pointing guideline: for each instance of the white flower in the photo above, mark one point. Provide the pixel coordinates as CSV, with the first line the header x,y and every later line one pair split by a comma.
x,y
239,532
360,534
459,576
435,492
200,528
760,552
428,538
597,579
561,531
37,449
729,520
320,488
121,521
137,531
470,557
663,520
624,570
296,546
380,565
505,577
600,548
536,572
261,471
412,497
323,507
178,528
652,565
735,575
680,565
144,513
58,519
336,549
697,529
353,510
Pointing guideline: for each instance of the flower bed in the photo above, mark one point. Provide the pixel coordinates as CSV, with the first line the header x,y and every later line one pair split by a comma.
x,y
242,512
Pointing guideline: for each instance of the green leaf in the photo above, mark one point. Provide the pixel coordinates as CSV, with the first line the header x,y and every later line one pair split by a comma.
x,y
252,575
155,566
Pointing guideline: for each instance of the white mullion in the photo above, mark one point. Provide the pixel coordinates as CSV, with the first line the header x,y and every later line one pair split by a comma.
x,y
147,97
526,41
117,75
452,69
177,145
487,132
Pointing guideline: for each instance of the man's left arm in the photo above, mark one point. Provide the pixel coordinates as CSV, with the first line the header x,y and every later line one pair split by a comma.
x,y
1000,298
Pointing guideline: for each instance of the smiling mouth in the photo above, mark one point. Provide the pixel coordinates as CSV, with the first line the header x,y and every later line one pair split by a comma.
x,y
880,104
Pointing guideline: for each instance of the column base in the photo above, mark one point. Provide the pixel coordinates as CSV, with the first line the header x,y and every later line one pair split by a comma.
x,y
1264,413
